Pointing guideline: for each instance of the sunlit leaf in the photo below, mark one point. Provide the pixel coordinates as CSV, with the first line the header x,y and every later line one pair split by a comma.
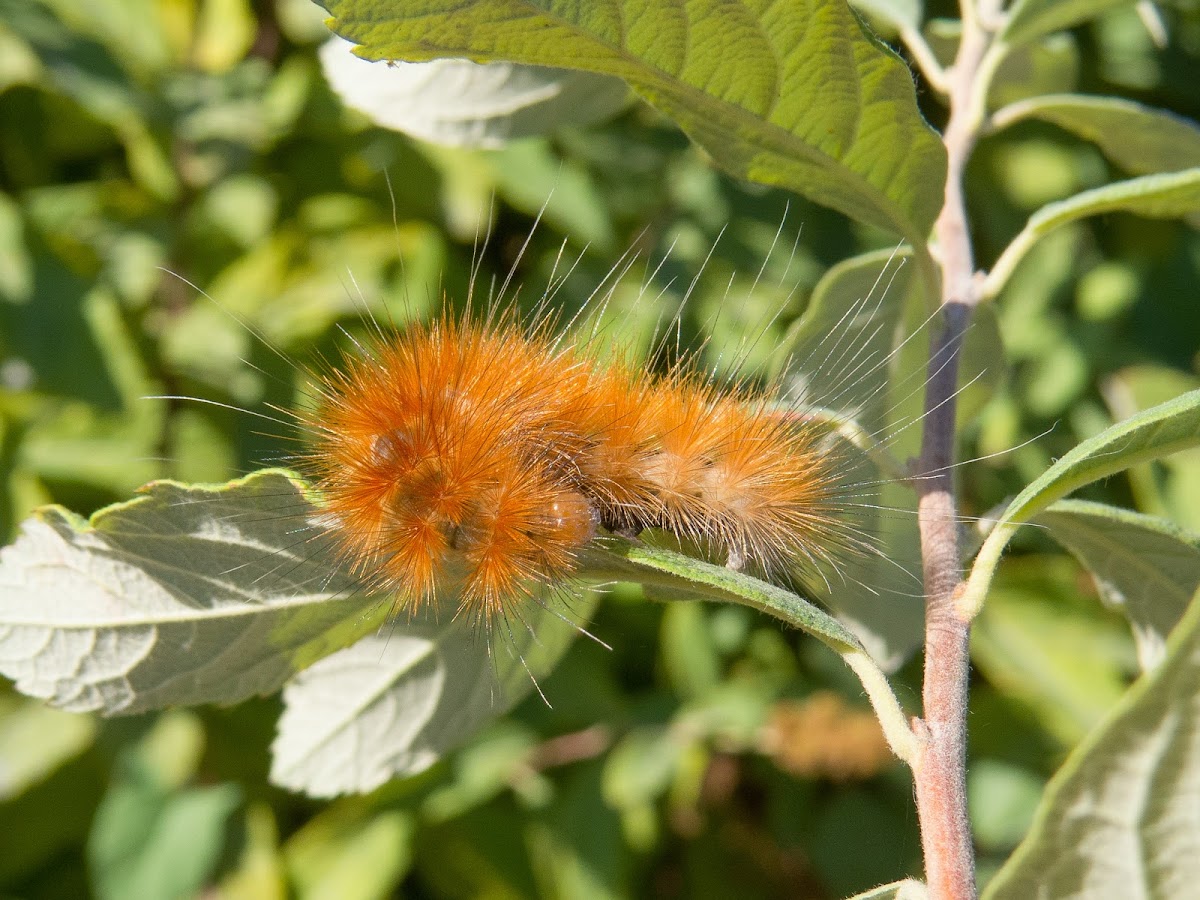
x,y
796,96
185,595
1138,138
664,569
1162,196
394,703
1156,432
1121,819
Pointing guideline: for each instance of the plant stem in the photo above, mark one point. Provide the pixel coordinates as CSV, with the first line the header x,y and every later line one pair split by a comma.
x,y
940,770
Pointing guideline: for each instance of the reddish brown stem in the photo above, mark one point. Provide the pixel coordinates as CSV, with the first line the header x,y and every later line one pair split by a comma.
x,y
940,770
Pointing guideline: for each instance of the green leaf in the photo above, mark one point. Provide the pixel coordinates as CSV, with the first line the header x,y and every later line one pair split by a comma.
x,y
618,559
1138,138
392,704
684,577
363,859
1002,798
576,846
185,595
1166,488
1119,819
641,767
797,96
1029,19
1161,196
1054,652
1145,566
1158,431
35,740
464,104
158,845
908,889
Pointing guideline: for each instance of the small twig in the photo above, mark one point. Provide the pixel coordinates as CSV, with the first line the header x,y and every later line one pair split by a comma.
x,y
576,746
896,730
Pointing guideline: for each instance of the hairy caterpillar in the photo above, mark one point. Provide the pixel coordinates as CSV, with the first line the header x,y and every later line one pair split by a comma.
x,y
475,458
464,462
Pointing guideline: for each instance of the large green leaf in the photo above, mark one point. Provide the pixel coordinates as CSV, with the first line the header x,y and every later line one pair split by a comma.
x,y
395,702
1138,138
1158,431
793,94
1145,566
1121,819
1161,196
153,835
185,595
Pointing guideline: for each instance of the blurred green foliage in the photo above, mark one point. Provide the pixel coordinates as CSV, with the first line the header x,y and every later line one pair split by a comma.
x,y
186,209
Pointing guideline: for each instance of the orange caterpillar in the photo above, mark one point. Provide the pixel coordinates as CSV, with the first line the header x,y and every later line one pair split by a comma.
x,y
475,459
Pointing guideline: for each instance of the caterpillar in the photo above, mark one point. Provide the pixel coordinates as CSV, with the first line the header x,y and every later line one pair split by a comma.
x,y
474,458
464,464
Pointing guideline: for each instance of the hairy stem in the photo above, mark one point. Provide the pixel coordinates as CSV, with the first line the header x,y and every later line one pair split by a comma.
x,y
940,770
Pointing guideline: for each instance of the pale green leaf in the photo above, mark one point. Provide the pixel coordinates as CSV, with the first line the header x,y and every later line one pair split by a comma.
x,y
364,859
467,104
1002,798
1029,19
1121,818
794,95
259,872
1158,431
1145,566
1138,138
394,703
184,595
1162,196
908,889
